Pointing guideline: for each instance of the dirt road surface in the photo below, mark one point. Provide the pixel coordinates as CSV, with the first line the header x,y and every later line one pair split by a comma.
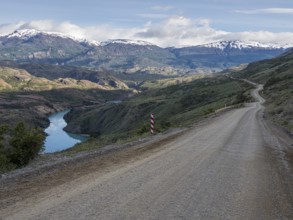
x,y
232,167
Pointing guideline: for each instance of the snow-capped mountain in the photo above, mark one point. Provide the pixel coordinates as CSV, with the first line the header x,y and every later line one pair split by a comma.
x,y
221,55
50,47
39,46
26,34
222,45
126,41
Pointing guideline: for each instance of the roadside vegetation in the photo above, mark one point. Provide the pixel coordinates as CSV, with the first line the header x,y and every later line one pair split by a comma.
x,y
18,146
277,77
173,106
176,102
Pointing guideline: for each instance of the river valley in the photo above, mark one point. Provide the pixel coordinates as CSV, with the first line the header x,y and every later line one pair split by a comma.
x,y
57,138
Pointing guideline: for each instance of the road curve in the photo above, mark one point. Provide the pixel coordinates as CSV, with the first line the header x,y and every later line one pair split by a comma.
x,y
224,169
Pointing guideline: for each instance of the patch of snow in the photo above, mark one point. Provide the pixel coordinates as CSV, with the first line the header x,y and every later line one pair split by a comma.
x,y
244,45
94,43
126,41
26,34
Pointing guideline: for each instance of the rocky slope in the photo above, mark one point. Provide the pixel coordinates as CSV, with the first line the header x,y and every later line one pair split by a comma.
x,y
21,80
101,79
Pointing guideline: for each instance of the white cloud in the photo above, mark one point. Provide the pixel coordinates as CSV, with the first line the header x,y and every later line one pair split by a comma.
x,y
175,31
71,29
281,38
267,11
9,28
42,25
179,31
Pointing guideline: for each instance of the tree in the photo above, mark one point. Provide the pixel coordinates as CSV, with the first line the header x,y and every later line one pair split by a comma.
x,y
25,144
4,160
241,98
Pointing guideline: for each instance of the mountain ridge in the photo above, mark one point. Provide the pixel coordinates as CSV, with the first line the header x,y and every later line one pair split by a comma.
x,y
124,55
238,44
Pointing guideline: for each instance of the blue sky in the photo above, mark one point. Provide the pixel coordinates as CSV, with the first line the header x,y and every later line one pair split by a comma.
x,y
167,23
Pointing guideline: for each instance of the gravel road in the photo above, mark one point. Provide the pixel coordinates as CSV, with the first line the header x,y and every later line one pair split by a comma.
x,y
232,167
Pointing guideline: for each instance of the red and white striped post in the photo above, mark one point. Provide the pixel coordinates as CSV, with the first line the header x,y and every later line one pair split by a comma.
x,y
152,123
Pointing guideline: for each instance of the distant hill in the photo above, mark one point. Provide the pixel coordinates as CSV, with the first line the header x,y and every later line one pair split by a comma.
x,y
130,56
32,45
277,76
262,71
54,72
13,79
124,54
220,55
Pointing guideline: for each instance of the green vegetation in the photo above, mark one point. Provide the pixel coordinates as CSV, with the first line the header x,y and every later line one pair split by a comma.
x,y
33,107
30,99
12,79
175,102
162,83
18,146
277,77
173,106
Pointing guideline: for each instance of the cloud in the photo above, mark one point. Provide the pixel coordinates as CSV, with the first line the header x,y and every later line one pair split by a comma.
x,y
9,28
267,11
72,29
42,25
162,8
177,31
281,38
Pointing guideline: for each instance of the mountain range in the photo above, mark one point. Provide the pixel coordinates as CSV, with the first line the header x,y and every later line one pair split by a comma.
x,y
130,56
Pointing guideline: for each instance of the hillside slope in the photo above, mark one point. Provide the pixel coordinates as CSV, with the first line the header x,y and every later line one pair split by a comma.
x,y
28,98
173,106
55,72
277,76
12,79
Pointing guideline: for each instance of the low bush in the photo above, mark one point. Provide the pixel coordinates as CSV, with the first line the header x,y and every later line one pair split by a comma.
x,y
18,146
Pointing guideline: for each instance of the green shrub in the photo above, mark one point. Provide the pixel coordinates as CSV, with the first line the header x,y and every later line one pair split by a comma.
x,y
208,111
19,146
193,99
26,144
241,98
271,81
